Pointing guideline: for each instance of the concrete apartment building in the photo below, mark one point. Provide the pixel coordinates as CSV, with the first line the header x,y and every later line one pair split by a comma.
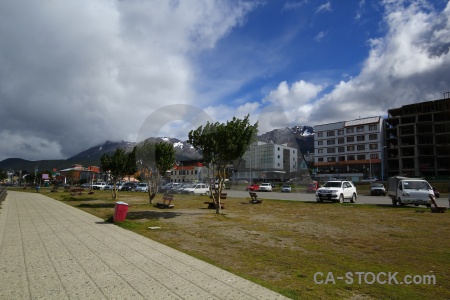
x,y
418,139
268,162
349,149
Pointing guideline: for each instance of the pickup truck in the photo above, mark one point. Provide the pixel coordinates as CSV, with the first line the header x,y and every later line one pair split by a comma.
x,y
405,190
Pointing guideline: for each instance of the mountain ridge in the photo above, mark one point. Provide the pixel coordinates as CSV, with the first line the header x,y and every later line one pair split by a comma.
x,y
300,137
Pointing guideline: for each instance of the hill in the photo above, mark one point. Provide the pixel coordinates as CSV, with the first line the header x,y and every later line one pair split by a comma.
x,y
300,137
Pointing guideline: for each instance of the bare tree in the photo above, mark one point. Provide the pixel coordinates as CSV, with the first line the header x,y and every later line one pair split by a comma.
x,y
153,160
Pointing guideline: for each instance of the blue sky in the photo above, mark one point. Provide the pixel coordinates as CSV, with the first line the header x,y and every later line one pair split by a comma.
x,y
78,73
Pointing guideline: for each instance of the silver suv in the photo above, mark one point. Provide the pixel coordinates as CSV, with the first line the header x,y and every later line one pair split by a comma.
x,y
337,191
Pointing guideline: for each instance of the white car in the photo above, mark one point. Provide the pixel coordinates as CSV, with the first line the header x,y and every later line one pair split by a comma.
x,y
337,191
265,187
286,188
377,189
196,189
99,186
141,187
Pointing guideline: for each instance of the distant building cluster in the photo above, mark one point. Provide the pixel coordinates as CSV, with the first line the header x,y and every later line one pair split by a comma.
x,y
413,140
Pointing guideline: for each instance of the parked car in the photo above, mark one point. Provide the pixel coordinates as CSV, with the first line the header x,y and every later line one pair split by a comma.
x,y
337,191
265,187
176,189
128,186
286,188
141,187
109,186
167,187
252,187
377,189
370,179
99,186
197,189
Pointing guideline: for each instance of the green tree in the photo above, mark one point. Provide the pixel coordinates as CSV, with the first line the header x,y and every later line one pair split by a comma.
x,y
221,143
153,160
131,163
3,175
117,165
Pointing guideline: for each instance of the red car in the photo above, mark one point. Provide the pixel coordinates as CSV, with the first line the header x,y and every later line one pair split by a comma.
x,y
253,187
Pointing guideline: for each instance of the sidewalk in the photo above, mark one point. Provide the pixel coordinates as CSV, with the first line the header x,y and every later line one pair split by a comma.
x,y
50,250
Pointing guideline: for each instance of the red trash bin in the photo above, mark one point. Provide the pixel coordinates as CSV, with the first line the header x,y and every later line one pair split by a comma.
x,y
120,211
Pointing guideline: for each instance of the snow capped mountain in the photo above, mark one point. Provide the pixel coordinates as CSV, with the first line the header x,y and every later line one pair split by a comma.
x,y
301,137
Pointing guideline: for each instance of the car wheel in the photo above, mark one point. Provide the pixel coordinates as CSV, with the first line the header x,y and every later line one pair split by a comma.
x,y
394,202
400,202
353,199
319,200
341,198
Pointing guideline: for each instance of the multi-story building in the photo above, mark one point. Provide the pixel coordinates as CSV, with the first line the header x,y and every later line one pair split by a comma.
x,y
349,149
188,172
267,162
418,140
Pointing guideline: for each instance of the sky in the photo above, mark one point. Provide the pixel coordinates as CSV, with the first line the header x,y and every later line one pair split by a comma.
x,y
74,74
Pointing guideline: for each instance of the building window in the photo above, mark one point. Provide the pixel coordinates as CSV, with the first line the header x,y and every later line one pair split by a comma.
x,y
361,156
331,159
330,133
360,147
341,158
341,132
319,134
350,148
341,149
320,151
373,146
373,136
373,155
373,127
320,159
330,142
350,130
351,157
319,143
360,129
278,148
278,156
341,140
350,139
331,150
360,138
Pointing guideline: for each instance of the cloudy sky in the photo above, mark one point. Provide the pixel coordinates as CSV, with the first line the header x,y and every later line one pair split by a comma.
x,y
74,74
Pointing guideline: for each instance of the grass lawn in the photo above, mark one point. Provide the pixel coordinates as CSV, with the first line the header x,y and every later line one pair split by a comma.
x,y
284,244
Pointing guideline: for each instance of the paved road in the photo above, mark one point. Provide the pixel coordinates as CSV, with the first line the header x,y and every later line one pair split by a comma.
x,y
50,250
310,197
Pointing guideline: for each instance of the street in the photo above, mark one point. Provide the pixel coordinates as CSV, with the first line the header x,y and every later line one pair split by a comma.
x,y
310,197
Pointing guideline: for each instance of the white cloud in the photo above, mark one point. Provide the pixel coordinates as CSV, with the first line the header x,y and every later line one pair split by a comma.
x,y
320,36
28,145
299,93
78,73
324,7
408,65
